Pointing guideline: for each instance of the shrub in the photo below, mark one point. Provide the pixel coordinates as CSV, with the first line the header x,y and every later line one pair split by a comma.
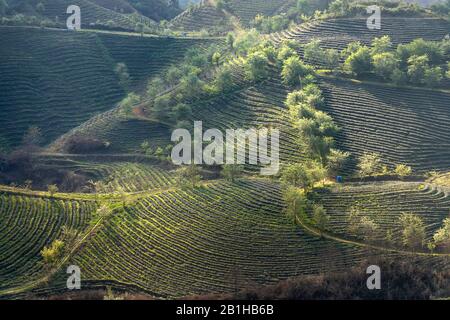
x,y
369,164
433,76
231,171
402,170
359,62
293,71
417,65
52,189
256,66
413,230
80,145
384,64
53,253
442,236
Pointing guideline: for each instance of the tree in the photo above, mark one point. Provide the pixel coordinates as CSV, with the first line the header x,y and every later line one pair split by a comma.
x,y
352,47
155,87
398,77
381,45
402,170
413,230
127,104
369,164
173,75
320,217
442,236
293,70
216,58
295,174
359,62
368,229
313,51
336,160
230,41
231,171
140,28
284,53
331,59
417,65
40,7
189,174
384,64
256,66
182,111
161,108
53,253
52,189
433,76
296,202
224,80
121,70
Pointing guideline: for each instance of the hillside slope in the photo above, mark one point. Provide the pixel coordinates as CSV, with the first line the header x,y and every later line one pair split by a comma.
x,y
50,79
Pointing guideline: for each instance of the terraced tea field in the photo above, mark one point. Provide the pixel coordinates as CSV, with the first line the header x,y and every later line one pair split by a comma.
x,y
27,224
116,175
149,56
96,14
50,79
191,241
124,134
404,125
201,17
337,33
65,89
246,10
384,202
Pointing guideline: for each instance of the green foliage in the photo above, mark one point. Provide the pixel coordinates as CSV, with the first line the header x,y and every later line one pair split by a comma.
x,y
270,24
155,87
182,111
161,108
256,66
122,72
127,104
224,80
336,161
303,175
413,230
402,170
442,236
294,70
189,175
359,62
52,189
417,65
216,58
296,202
369,164
53,253
327,57
246,40
231,171
320,218
384,64
381,45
